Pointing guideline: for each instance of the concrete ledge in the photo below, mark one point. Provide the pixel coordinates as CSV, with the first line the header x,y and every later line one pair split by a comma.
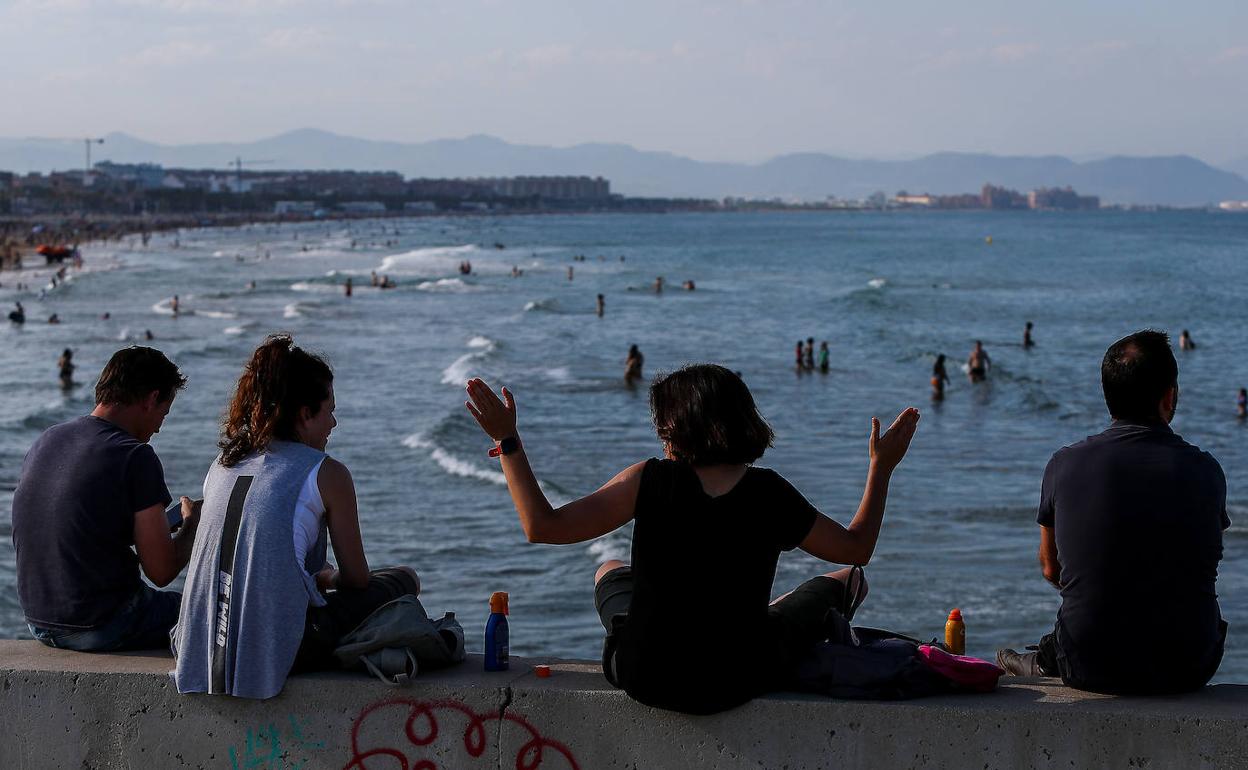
x,y
73,710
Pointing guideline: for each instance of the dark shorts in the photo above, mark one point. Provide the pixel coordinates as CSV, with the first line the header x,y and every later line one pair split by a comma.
x,y
346,608
797,621
142,623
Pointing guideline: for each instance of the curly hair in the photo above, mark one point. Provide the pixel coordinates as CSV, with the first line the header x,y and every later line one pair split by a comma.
x,y
706,415
279,380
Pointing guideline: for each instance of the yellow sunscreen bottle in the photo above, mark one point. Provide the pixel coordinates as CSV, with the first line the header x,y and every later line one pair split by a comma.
x,y
955,633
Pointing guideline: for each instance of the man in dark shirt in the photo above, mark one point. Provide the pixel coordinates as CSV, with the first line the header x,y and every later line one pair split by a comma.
x,y
90,489
1131,525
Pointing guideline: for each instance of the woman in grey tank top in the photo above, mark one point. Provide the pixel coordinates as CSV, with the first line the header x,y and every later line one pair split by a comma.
x,y
251,613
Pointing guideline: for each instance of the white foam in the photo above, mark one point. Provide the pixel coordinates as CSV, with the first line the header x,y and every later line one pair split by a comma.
x,y
323,288
461,368
559,374
164,307
235,331
877,283
427,262
219,314
446,284
292,311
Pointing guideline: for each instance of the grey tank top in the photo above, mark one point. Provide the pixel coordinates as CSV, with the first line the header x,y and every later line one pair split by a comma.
x,y
246,595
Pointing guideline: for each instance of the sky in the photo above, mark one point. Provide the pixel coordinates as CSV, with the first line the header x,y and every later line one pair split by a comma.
x,y
737,80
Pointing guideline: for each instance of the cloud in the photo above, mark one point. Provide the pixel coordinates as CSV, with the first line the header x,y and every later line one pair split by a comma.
x,y
170,54
1013,52
546,56
1233,54
294,39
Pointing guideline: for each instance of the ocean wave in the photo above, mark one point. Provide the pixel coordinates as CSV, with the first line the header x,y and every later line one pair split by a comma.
x,y
431,261
458,466
293,310
877,283
218,314
453,285
548,304
461,368
323,288
235,331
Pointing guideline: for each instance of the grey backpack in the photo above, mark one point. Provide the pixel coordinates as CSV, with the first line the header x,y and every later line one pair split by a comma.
x,y
399,639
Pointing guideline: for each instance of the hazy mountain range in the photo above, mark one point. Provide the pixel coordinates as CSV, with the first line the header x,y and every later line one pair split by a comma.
x,y
1173,180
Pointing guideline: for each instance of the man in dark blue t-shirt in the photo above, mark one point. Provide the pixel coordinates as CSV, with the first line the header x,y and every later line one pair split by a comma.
x,y
1131,524
89,490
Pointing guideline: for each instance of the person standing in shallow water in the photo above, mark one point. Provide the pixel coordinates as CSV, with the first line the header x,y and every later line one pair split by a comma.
x,y
808,355
939,378
1028,342
824,363
1241,403
633,364
978,363
602,305
1185,341
689,626
797,357
66,365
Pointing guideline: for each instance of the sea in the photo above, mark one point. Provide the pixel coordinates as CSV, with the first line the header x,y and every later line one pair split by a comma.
x,y
888,291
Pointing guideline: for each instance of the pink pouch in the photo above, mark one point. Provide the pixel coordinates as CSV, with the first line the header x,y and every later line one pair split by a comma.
x,y
968,673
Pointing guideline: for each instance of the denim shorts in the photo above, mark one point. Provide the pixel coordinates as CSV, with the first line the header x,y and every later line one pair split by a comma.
x,y
142,623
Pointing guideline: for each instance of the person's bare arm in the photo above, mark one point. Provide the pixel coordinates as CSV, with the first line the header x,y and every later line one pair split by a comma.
x,y
1048,557
338,495
160,556
596,514
855,544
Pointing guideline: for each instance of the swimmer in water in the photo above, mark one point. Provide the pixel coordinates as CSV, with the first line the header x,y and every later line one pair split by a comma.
x,y
808,355
347,288
373,280
602,305
147,335
939,378
173,305
1027,340
797,357
658,285
18,316
688,286
1185,341
569,272
633,364
1241,404
978,363
823,357
66,365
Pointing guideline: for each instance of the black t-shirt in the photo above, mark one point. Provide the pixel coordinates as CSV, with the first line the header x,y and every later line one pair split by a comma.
x,y
697,636
73,521
1138,515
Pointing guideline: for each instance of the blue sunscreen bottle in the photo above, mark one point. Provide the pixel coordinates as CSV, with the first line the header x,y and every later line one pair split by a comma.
x,y
496,633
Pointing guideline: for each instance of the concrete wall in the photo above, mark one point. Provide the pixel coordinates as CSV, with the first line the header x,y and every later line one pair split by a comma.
x,y
71,710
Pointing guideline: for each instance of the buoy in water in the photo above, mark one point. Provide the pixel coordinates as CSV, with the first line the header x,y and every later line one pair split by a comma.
x,y
988,240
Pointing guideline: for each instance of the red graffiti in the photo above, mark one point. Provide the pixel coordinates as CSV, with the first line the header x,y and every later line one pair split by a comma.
x,y
421,729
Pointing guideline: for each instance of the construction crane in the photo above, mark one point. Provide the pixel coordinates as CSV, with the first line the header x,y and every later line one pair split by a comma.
x,y
86,173
86,143
238,164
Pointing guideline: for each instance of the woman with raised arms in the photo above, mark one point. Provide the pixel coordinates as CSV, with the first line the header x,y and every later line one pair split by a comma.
x,y
689,625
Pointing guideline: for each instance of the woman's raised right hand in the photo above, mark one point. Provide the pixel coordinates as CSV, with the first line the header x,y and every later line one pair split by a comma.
x,y
496,417
887,450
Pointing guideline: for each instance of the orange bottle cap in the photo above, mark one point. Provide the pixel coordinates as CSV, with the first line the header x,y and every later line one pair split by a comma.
x,y
955,614
498,602
541,671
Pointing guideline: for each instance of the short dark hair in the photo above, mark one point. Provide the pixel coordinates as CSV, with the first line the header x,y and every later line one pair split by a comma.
x,y
706,415
134,372
1136,373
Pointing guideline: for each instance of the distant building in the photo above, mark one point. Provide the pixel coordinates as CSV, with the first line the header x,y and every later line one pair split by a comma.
x,y
141,176
905,199
1064,199
298,208
362,207
992,197
582,188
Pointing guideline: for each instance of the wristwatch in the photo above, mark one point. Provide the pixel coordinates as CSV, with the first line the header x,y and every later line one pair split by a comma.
x,y
506,446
